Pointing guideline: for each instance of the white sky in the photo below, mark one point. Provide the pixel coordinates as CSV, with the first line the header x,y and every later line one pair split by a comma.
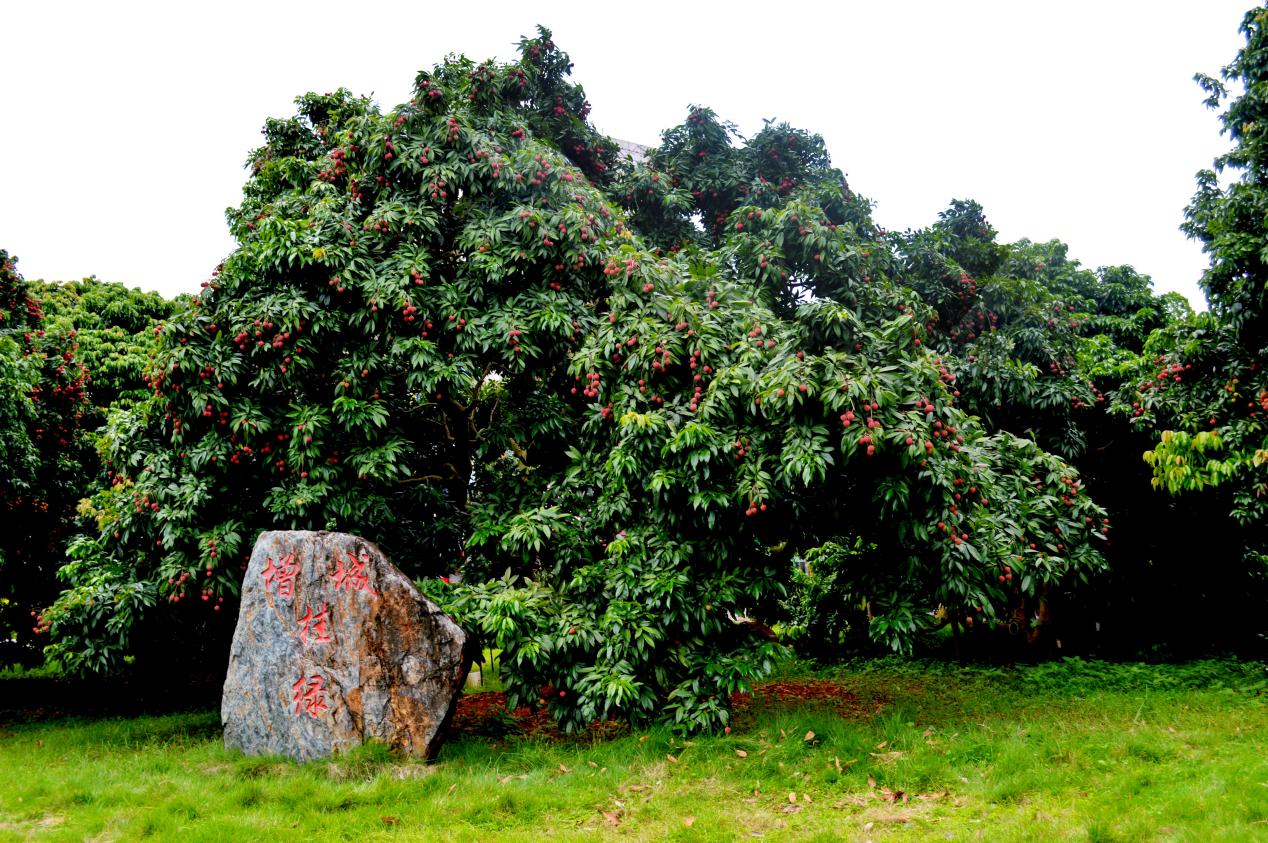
x,y
125,125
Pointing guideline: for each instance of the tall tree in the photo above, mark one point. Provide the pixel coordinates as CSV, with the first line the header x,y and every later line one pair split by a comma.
x,y
1203,383
443,329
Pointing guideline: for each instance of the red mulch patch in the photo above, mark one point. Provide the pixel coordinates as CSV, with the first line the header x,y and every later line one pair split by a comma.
x,y
820,693
484,712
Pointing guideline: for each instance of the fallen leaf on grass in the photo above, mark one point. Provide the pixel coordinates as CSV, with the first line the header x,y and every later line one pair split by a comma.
x,y
868,826
643,738
791,809
893,795
871,782
892,755
688,821
592,764
809,736
792,797
612,817
671,758
638,788
882,744
741,753
390,820
857,801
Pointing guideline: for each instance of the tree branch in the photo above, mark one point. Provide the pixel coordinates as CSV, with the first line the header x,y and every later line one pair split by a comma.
x,y
424,478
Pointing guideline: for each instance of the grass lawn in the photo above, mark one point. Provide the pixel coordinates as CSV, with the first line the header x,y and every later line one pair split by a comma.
x,y
1066,751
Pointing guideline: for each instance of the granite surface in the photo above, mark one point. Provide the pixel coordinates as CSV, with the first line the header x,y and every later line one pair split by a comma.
x,y
336,647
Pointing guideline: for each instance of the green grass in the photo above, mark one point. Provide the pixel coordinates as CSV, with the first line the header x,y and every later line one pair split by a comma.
x,y
1072,751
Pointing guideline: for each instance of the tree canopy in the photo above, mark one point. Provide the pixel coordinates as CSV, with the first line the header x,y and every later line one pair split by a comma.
x,y
619,397
1201,384
621,417
46,459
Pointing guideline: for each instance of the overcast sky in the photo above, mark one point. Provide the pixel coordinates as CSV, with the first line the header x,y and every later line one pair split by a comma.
x,y
125,125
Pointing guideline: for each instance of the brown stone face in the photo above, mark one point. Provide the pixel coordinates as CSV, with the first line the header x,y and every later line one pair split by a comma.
x,y
335,647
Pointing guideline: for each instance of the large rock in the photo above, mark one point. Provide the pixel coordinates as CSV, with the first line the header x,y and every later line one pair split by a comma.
x,y
336,647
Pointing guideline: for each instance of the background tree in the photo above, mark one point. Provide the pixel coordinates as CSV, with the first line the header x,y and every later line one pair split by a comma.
x,y
1200,390
114,327
1042,347
46,458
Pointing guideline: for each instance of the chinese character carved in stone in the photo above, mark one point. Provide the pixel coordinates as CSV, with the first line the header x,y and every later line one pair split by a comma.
x,y
334,647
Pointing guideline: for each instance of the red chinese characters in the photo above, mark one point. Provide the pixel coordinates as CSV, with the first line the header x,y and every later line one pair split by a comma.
x,y
314,628
309,695
353,578
281,575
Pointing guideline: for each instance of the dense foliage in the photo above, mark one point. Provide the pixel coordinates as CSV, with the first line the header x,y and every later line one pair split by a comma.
x,y
1190,391
463,326
73,351
45,457
1199,390
644,409
114,328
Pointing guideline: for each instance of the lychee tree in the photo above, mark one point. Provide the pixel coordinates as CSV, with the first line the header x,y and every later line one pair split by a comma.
x,y
1014,334
1201,386
406,289
749,398
46,460
722,440
443,329
113,327
1041,347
